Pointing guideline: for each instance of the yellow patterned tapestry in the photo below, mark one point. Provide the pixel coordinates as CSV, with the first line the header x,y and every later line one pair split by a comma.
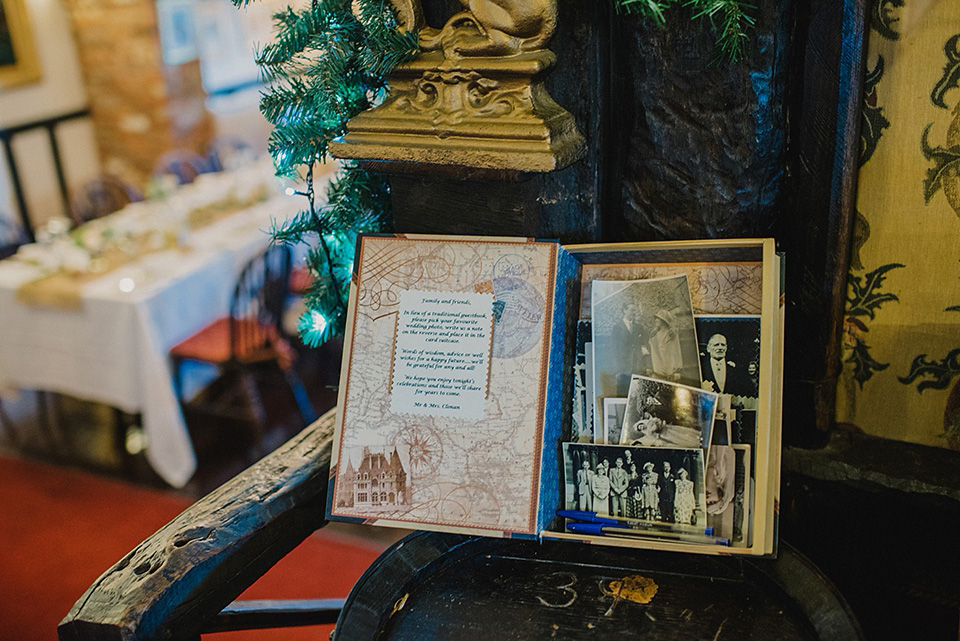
x,y
901,376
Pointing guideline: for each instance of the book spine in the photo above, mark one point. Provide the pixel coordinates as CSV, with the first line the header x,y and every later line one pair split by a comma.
x,y
559,385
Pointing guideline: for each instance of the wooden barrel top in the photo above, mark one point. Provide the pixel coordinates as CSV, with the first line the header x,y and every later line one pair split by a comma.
x,y
444,586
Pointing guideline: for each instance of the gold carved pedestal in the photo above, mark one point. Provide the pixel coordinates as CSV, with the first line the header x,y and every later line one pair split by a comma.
x,y
480,112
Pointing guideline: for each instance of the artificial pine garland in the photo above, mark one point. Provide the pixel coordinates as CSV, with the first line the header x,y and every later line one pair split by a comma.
x,y
728,17
325,66
328,63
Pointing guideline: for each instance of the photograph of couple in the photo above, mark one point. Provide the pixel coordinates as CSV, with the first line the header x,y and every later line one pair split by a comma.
x,y
643,327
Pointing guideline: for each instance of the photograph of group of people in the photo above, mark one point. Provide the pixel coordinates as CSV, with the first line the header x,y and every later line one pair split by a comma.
x,y
656,382
652,484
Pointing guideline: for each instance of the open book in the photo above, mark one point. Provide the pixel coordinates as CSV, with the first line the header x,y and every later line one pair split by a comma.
x,y
463,395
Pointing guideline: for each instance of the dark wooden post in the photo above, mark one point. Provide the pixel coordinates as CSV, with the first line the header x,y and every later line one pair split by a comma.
x,y
817,206
683,144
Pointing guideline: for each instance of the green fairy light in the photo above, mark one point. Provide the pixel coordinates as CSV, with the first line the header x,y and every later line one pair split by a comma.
x,y
313,328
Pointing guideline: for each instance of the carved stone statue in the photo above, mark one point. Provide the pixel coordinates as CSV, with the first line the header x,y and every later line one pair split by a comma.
x,y
485,28
474,96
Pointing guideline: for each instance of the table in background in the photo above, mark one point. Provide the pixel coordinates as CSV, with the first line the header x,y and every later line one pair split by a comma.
x,y
114,349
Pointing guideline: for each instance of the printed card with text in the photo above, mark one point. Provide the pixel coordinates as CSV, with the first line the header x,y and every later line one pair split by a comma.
x,y
442,404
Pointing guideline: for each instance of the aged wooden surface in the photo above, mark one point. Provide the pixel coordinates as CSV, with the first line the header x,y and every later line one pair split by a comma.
x,y
704,139
189,570
671,165
880,518
815,225
682,144
442,586
257,615
864,460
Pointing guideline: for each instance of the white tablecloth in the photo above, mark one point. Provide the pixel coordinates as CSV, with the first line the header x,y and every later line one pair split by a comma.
x,y
114,350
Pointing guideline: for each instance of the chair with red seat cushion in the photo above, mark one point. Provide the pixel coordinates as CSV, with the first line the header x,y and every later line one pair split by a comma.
x,y
301,280
248,345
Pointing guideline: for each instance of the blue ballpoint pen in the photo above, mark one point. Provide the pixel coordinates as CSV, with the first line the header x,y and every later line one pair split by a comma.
x,y
600,529
593,517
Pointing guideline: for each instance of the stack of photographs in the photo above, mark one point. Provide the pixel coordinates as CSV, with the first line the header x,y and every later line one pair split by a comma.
x,y
666,391
455,411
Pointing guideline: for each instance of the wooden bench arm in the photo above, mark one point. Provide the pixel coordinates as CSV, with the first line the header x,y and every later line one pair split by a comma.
x,y
257,615
177,581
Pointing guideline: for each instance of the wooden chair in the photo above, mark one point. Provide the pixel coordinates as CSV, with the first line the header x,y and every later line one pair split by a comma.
x,y
180,582
301,280
12,236
101,196
7,427
247,345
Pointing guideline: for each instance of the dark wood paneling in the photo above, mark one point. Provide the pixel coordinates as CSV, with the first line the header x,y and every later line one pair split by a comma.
x,y
704,138
818,203
683,144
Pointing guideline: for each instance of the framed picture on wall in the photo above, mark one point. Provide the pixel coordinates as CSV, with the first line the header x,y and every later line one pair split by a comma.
x,y
18,54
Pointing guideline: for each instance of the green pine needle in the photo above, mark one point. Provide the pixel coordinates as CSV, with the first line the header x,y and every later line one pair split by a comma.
x,y
324,66
650,9
728,17
731,21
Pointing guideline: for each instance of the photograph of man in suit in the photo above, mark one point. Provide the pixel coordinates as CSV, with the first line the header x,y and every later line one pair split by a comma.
x,y
722,375
619,479
631,347
668,491
584,489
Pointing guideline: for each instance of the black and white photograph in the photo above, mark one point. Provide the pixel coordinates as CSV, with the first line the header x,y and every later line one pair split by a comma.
x,y
582,427
743,500
723,419
613,412
728,491
744,432
642,327
730,357
593,420
662,414
665,485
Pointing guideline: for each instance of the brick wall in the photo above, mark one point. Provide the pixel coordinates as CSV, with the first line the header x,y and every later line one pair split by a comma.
x,y
141,107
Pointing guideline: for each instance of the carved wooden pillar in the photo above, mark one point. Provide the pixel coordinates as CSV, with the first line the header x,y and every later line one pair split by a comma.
x,y
814,227
682,144
766,146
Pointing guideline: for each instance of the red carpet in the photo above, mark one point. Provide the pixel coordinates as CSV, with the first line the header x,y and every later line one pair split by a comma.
x,y
61,529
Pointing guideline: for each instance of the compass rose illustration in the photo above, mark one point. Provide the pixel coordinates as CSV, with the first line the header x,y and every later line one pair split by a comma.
x,y
424,447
